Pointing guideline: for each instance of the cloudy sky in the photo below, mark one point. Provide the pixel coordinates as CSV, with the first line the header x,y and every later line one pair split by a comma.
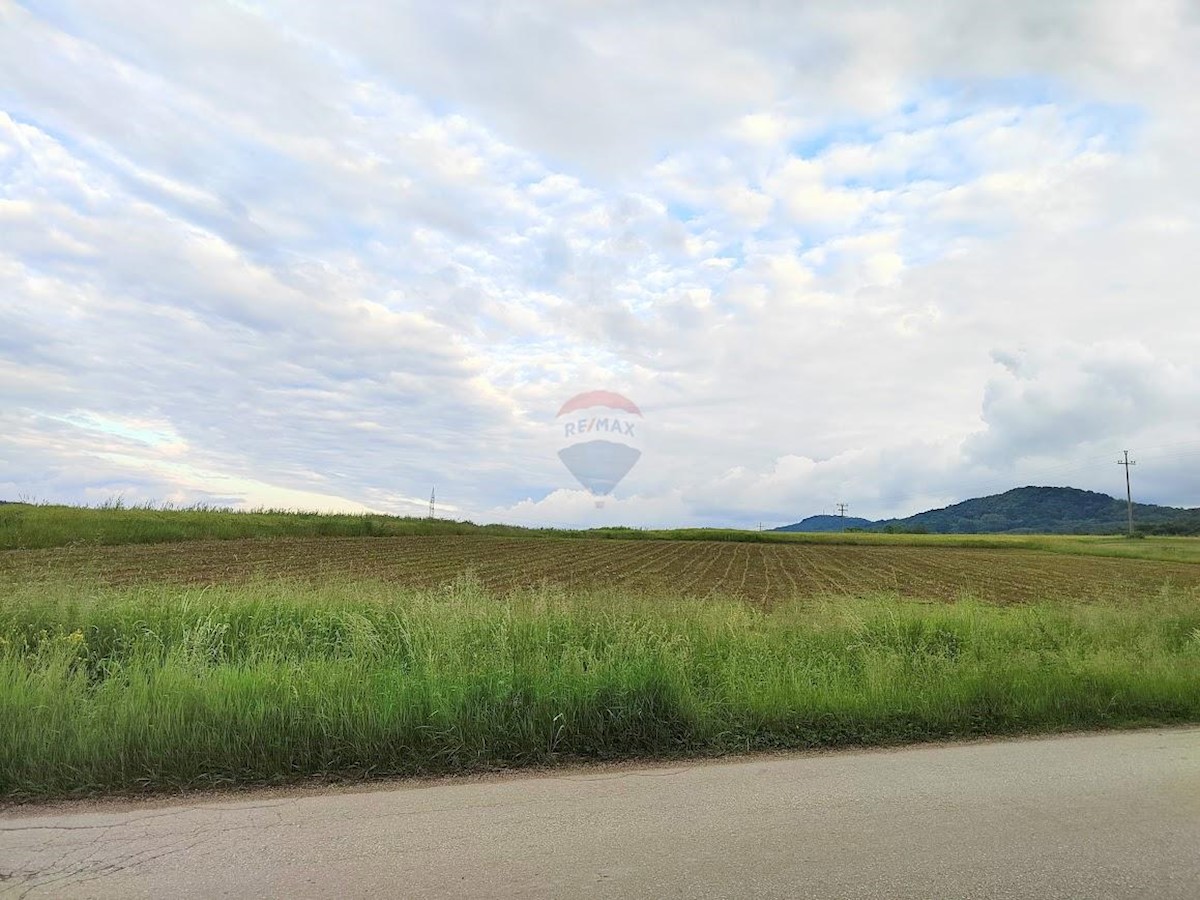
x,y
328,255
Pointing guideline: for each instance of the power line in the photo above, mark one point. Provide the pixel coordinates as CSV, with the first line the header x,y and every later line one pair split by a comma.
x,y
1127,462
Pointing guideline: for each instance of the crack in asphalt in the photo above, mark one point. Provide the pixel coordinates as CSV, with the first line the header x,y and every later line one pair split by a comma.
x,y
78,863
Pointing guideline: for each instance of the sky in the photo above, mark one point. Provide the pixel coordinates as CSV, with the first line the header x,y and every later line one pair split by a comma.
x,y
328,256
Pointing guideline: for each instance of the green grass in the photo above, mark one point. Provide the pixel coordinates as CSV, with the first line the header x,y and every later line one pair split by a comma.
x,y
33,526
158,687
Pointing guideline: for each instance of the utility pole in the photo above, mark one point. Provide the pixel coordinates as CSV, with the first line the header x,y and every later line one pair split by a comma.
x,y
842,507
432,498
1127,462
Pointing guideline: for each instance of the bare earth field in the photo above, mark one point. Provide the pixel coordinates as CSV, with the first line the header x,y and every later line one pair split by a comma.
x,y
758,572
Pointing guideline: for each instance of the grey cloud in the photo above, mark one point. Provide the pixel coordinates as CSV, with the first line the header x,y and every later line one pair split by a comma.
x,y
1071,397
614,89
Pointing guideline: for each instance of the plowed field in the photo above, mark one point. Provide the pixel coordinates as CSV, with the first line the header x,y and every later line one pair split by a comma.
x,y
755,572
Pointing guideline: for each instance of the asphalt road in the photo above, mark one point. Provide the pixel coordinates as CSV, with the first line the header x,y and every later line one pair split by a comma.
x,y
1112,815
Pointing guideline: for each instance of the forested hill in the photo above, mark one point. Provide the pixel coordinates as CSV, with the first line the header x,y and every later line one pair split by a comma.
x,y
827,523
1026,510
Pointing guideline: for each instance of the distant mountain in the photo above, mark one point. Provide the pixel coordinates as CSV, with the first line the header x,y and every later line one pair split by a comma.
x,y
1026,510
827,523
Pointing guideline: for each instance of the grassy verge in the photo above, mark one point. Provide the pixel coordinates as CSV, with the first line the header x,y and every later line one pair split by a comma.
x,y
158,687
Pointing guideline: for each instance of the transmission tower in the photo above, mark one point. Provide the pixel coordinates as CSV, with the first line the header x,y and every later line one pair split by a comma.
x,y
432,500
842,507
1127,462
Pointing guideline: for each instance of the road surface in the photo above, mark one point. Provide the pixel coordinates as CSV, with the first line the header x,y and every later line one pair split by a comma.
x,y
1110,815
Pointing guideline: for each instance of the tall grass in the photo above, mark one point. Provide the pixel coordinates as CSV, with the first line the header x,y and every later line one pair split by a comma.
x,y
33,526
160,687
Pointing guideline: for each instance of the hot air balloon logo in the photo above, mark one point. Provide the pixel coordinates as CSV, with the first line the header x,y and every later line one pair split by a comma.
x,y
601,439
